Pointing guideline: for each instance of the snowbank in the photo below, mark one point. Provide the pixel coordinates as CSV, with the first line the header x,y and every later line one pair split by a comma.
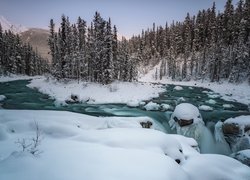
x,y
92,93
228,91
13,77
241,120
77,146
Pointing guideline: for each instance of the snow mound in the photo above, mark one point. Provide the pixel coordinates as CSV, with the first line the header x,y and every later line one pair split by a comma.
x,y
187,111
178,88
227,106
205,108
241,120
2,97
216,167
242,156
181,99
77,146
133,103
151,106
211,101
166,107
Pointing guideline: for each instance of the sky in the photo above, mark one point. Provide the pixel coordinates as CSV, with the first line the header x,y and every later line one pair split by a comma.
x,y
130,16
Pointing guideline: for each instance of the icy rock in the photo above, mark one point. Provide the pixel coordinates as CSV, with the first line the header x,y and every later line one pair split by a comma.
x,y
2,97
237,132
147,124
211,101
178,88
205,108
181,99
242,156
151,106
166,107
227,106
186,111
187,121
73,99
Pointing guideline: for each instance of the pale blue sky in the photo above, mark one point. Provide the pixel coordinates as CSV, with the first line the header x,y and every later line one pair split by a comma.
x,y
130,16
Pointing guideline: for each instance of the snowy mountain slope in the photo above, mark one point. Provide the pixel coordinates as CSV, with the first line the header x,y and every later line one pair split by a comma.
x,y
15,28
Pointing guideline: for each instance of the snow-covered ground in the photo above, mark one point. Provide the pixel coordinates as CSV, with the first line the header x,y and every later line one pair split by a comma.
x,y
14,77
228,91
118,92
75,146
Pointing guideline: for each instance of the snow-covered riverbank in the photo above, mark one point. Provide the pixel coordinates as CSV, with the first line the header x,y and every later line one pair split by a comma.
x,y
228,91
117,92
75,146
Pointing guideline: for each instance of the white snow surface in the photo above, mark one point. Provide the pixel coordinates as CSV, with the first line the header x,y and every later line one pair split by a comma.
x,y
76,146
92,93
151,106
228,91
13,77
178,88
205,108
187,111
241,120
211,101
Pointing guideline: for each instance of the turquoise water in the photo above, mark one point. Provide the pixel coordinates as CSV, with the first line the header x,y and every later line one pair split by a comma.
x,y
19,96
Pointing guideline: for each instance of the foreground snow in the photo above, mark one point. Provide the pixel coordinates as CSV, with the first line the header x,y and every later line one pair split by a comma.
x,y
117,92
228,91
78,146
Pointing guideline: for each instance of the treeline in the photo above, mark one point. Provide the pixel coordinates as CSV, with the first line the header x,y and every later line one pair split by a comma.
x,y
19,58
90,53
210,45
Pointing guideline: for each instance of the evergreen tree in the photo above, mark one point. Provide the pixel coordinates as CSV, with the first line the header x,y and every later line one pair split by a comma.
x,y
108,58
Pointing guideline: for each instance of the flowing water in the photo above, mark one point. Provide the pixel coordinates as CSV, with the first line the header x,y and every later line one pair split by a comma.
x,y
19,96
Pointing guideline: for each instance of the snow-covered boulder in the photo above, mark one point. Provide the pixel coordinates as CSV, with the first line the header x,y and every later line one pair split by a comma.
x,y
178,88
166,107
2,97
185,114
187,121
237,132
227,106
205,108
242,156
74,98
151,106
211,101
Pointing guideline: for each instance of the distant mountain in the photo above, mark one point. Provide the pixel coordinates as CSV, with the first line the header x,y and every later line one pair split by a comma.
x,y
38,38
6,25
